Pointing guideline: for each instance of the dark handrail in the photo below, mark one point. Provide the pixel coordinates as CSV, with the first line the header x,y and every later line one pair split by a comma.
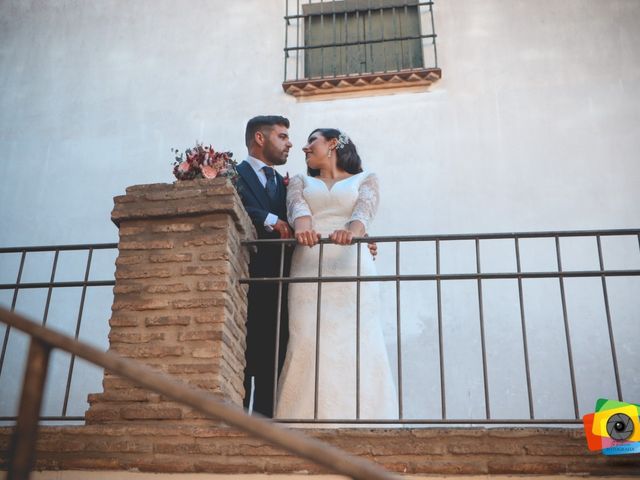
x,y
62,248
467,236
44,339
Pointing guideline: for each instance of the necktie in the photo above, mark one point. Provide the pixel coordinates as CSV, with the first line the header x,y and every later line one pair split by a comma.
x,y
271,185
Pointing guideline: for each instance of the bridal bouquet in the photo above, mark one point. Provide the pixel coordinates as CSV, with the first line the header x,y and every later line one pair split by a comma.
x,y
203,162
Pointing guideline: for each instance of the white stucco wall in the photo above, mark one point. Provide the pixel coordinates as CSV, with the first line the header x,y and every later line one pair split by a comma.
x,y
534,126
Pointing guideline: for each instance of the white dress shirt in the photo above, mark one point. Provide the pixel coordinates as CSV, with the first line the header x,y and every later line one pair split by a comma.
x,y
258,166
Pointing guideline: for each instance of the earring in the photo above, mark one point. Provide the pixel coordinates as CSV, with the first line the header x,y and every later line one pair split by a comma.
x,y
329,153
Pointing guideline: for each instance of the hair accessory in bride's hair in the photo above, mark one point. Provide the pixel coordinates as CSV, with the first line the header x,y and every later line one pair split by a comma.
x,y
343,139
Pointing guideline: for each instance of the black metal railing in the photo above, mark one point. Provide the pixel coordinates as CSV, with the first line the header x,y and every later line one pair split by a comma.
x,y
347,33
623,251
41,269
613,258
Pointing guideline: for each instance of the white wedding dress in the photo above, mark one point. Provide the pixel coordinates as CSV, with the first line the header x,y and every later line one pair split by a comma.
x,y
353,198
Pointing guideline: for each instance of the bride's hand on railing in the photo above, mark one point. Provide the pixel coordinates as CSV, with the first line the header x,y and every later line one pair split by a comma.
x,y
307,238
304,232
341,237
345,237
355,228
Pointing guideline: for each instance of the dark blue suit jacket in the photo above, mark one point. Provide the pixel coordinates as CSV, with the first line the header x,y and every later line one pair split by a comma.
x,y
255,199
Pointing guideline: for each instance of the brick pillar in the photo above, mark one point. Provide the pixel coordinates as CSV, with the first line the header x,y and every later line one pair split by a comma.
x,y
178,304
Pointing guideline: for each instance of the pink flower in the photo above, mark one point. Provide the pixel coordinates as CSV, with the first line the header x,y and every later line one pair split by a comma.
x,y
183,167
209,172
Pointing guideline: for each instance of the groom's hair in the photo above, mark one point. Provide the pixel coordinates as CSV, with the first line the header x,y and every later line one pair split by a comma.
x,y
260,122
347,155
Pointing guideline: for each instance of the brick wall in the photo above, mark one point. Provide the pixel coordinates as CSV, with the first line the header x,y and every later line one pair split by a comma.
x,y
184,448
178,305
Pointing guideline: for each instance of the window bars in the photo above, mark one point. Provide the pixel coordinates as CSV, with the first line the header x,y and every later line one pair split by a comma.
x,y
361,42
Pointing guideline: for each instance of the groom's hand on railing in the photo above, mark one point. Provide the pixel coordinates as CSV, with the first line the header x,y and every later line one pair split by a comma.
x,y
283,229
373,247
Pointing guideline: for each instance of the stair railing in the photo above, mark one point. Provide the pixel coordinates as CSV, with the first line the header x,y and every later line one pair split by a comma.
x,y
43,340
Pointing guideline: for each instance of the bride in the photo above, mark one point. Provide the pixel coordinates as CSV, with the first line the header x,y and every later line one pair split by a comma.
x,y
337,199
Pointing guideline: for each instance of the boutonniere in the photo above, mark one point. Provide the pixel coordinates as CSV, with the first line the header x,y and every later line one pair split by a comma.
x,y
285,180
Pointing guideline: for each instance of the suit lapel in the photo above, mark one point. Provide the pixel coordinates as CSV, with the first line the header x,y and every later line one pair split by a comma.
x,y
253,182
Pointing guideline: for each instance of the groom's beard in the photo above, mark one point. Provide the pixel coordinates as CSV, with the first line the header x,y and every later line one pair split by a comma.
x,y
276,158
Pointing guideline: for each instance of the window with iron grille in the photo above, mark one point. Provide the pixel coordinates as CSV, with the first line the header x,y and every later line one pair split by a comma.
x,y
351,45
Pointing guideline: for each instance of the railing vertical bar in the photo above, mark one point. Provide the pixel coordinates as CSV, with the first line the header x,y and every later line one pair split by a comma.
x,y
298,38
369,13
433,31
335,48
383,44
346,47
50,290
524,330
396,22
286,37
77,333
410,42
443,402
323,42
399,332
485,374
5,342
360,45
344,68
358,286
276,360
566,330
612,342
318,313
22,453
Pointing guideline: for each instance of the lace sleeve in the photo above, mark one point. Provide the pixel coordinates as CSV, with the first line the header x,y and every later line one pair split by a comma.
x,y
368,198
296,204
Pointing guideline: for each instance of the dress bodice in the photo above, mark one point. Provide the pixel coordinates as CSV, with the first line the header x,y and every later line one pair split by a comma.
x,y
331,208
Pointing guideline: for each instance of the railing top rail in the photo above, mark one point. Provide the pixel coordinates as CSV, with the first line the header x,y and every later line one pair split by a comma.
x,y
310,448
468,236
379,239
88,283
61,248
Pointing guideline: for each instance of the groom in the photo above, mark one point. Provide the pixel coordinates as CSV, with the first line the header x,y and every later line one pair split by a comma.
x,y
263,195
